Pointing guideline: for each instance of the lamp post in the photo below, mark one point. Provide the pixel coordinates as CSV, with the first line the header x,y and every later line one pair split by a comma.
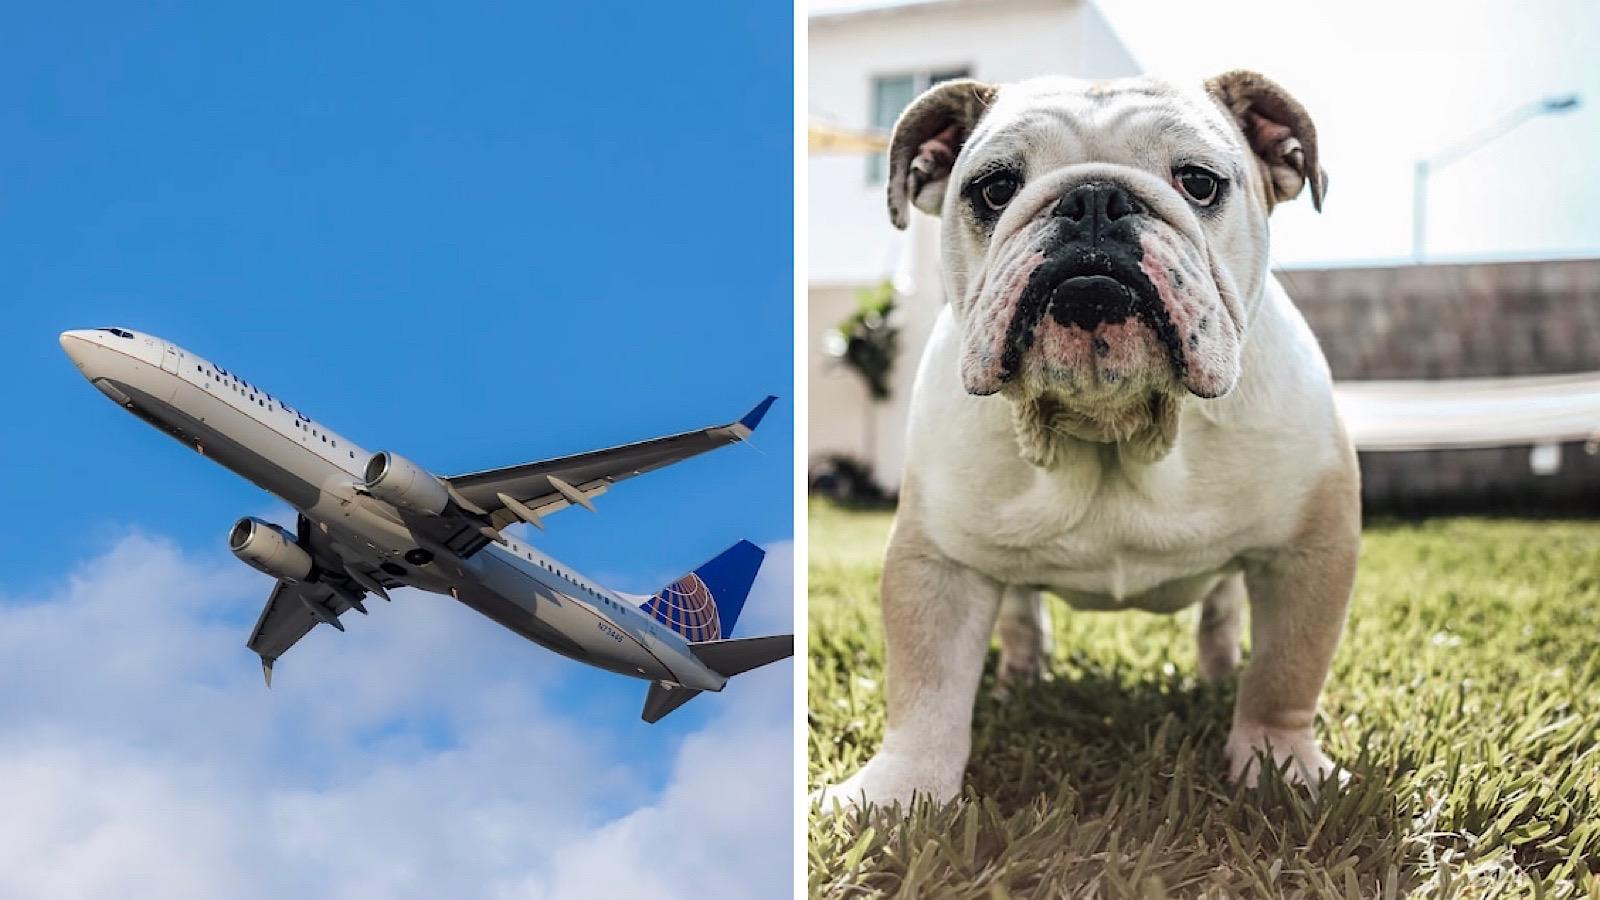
x,y
1551,105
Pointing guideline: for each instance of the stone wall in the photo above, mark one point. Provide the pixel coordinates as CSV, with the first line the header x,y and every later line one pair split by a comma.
x,y
1461,321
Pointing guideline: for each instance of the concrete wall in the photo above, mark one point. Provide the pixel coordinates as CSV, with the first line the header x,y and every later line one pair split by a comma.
x,y
1462,321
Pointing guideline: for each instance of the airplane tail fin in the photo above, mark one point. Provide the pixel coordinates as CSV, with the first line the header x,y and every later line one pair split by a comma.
x,y
704,604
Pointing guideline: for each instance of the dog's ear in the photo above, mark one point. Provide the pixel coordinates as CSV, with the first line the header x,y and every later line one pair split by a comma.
x,y
1278,129
926,141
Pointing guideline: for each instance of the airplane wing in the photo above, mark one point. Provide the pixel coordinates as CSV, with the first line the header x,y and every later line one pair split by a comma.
x,y
531,491
294,608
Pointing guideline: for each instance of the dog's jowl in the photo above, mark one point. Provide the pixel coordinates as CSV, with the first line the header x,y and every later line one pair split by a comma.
x,y
1119,405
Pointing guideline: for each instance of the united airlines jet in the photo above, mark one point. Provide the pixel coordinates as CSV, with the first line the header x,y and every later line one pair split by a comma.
x,y
372,522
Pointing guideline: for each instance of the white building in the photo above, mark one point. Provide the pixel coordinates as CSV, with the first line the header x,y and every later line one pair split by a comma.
x,y
866,63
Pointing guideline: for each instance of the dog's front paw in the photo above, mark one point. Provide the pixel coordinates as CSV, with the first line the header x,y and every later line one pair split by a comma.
x,y
887,780
1307,764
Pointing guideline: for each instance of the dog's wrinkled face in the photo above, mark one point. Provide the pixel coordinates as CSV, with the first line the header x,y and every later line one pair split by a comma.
x,y
1103,242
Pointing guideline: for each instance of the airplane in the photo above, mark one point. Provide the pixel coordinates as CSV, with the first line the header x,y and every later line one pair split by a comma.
x,y
372,522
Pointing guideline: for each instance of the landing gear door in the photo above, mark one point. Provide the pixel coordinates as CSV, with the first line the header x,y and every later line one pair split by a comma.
x,y
170,358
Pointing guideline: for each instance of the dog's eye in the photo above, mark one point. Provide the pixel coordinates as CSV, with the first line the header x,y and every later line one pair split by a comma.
x,y
1200,186
998,191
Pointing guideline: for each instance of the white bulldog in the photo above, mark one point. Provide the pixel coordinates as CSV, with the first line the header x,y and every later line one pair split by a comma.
x,y
1119,405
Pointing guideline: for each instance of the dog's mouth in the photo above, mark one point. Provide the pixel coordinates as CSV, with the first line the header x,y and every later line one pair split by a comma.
x,y
1103,296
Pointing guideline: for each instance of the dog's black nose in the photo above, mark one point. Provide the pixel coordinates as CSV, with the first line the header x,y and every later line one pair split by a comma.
x,y
1097,206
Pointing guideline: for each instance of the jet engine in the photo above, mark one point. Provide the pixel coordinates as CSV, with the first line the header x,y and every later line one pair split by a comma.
x,y
399,481
270,549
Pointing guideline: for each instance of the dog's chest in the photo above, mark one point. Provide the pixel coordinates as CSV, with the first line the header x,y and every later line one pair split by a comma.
x,y
1095,537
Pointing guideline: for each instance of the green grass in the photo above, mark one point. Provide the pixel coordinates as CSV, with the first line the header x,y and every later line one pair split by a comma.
x,y
1466,697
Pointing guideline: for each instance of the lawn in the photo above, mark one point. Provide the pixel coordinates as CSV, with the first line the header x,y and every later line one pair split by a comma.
x,y
1465,697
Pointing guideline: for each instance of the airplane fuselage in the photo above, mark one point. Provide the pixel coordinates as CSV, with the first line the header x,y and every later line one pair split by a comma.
x,y
320,474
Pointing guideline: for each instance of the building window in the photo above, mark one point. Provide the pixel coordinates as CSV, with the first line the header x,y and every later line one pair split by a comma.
x,y
890,95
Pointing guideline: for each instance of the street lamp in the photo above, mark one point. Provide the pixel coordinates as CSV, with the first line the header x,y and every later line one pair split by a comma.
x,y
1551,105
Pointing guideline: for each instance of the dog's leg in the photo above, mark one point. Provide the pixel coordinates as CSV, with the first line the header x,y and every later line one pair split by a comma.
x,y
1298,598
1024,629
1218,634
937,618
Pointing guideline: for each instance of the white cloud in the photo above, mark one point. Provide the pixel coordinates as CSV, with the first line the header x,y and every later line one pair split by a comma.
x,y
695,840
421,755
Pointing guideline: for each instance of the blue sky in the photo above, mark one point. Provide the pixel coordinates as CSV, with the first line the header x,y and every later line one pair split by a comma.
x,y
473,234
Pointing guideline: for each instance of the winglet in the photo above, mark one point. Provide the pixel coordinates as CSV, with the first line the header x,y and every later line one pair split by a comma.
x,y
266,669
753,417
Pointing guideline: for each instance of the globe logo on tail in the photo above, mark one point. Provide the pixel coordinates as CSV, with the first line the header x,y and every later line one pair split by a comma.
x,y
687,607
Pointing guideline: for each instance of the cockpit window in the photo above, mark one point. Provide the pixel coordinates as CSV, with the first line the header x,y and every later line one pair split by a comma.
x,y
117,331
